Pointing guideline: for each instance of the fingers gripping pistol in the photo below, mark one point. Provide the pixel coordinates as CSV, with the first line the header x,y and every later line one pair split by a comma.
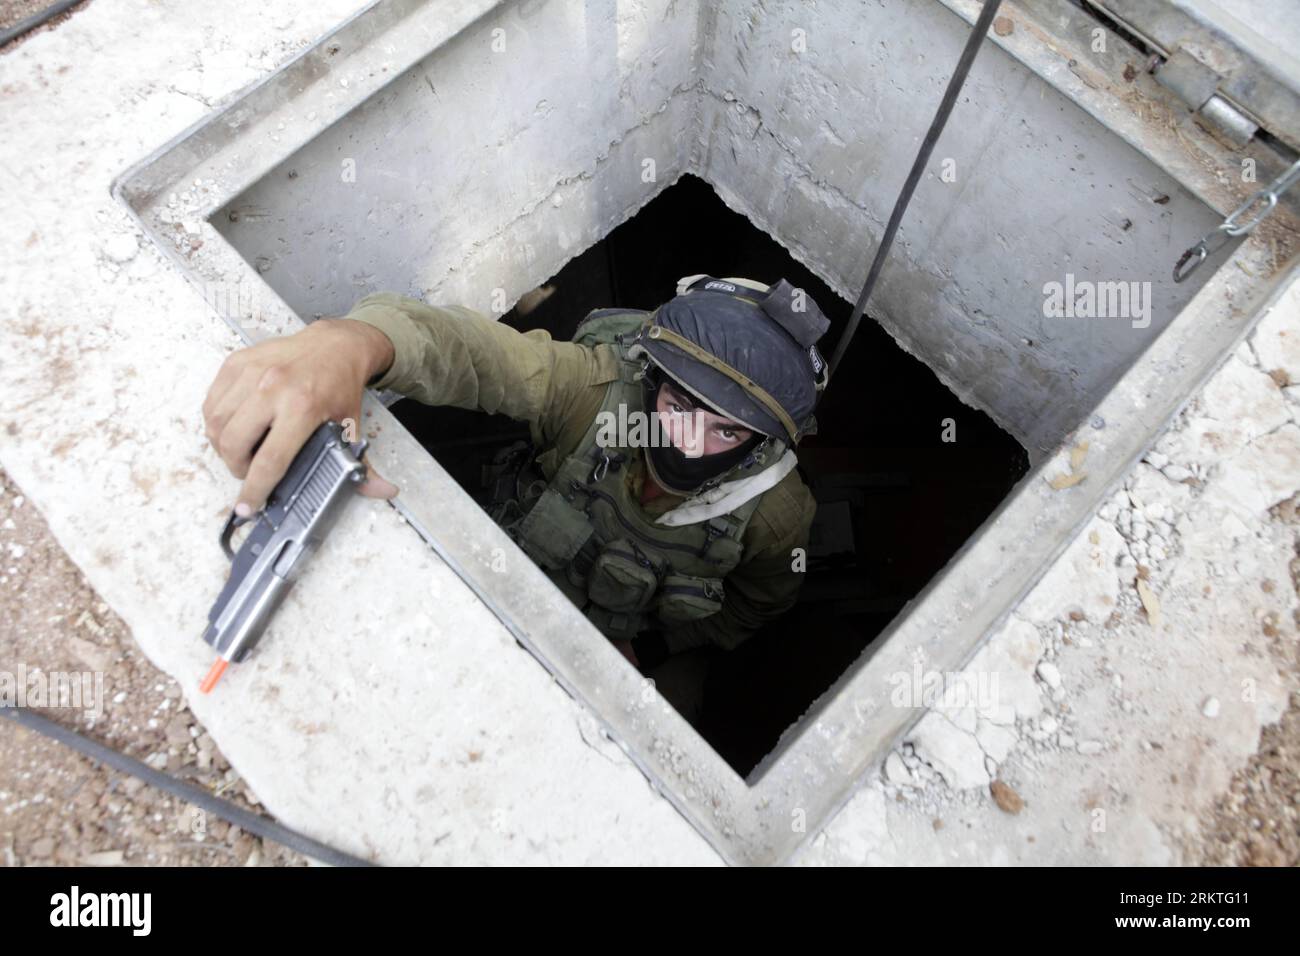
x,y
295,519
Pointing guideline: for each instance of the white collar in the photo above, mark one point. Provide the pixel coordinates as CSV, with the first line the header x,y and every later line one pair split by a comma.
x,y
729,495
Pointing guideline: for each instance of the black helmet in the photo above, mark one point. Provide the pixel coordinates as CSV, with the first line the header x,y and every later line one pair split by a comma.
x,y
744,348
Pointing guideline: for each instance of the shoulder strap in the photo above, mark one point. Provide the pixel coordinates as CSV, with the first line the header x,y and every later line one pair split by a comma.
x,y
606,325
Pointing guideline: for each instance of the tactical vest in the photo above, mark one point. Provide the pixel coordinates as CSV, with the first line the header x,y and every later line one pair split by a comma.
x,y
588,533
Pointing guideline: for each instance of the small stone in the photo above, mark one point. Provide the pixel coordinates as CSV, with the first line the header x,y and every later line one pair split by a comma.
x,y
896,771
1157,460
121,248
43,848
1048,724
1176,473
94,657
1089,747
178,732
1006,798
1211,707
1050,675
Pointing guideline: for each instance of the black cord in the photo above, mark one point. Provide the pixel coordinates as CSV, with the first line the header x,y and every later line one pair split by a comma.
x,y
35,20
254,823
978,32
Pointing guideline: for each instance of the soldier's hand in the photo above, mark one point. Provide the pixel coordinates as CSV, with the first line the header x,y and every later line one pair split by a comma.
x,y
284,389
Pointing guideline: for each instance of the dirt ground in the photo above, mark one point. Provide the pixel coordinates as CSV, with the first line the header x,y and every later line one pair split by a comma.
x,y
58,807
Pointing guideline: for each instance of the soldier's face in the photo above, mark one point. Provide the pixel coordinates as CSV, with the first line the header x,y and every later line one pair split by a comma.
x,y
692,429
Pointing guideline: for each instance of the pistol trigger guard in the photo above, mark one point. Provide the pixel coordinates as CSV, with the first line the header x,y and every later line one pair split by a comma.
x,y
228,531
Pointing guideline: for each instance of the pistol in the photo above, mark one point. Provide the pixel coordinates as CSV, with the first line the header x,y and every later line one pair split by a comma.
x,y
295,519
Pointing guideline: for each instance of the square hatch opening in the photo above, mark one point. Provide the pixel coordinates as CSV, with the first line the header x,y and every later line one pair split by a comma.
x,y
902,470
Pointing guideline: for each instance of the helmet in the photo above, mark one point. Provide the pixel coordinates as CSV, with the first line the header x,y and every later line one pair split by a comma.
x,y
743,348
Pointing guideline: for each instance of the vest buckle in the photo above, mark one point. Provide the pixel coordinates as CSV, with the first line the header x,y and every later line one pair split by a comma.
x,y
714,530
603,466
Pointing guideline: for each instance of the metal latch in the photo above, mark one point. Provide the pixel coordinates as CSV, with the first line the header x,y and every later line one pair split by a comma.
x,y
1233,226
1197,85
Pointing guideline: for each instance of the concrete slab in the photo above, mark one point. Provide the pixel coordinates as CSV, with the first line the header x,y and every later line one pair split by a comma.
x,y
485,758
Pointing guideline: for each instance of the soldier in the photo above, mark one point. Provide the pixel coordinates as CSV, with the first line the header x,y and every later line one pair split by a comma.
x,y
679,541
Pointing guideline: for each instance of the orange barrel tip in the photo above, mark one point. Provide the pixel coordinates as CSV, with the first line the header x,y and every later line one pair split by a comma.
x,y
214,674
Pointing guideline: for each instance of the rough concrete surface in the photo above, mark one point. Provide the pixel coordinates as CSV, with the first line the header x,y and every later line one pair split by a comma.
x,y
1133,683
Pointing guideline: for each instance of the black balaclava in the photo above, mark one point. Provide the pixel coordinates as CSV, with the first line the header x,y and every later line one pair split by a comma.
x,y
676,471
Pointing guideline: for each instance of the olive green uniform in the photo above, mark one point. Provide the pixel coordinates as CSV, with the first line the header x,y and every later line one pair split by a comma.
x,y
452,355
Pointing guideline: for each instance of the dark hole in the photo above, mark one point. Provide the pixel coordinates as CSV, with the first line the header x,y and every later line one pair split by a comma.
x,y
895,501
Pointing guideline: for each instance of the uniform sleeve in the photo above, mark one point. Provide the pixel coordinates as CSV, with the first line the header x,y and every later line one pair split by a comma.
x,y
453,355
766,583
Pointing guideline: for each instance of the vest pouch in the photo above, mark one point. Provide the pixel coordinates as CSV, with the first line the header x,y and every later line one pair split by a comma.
x,y
623,577
553,531
684,597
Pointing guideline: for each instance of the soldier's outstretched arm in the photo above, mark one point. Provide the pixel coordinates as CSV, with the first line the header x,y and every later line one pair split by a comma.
x,y
453,355
267,399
